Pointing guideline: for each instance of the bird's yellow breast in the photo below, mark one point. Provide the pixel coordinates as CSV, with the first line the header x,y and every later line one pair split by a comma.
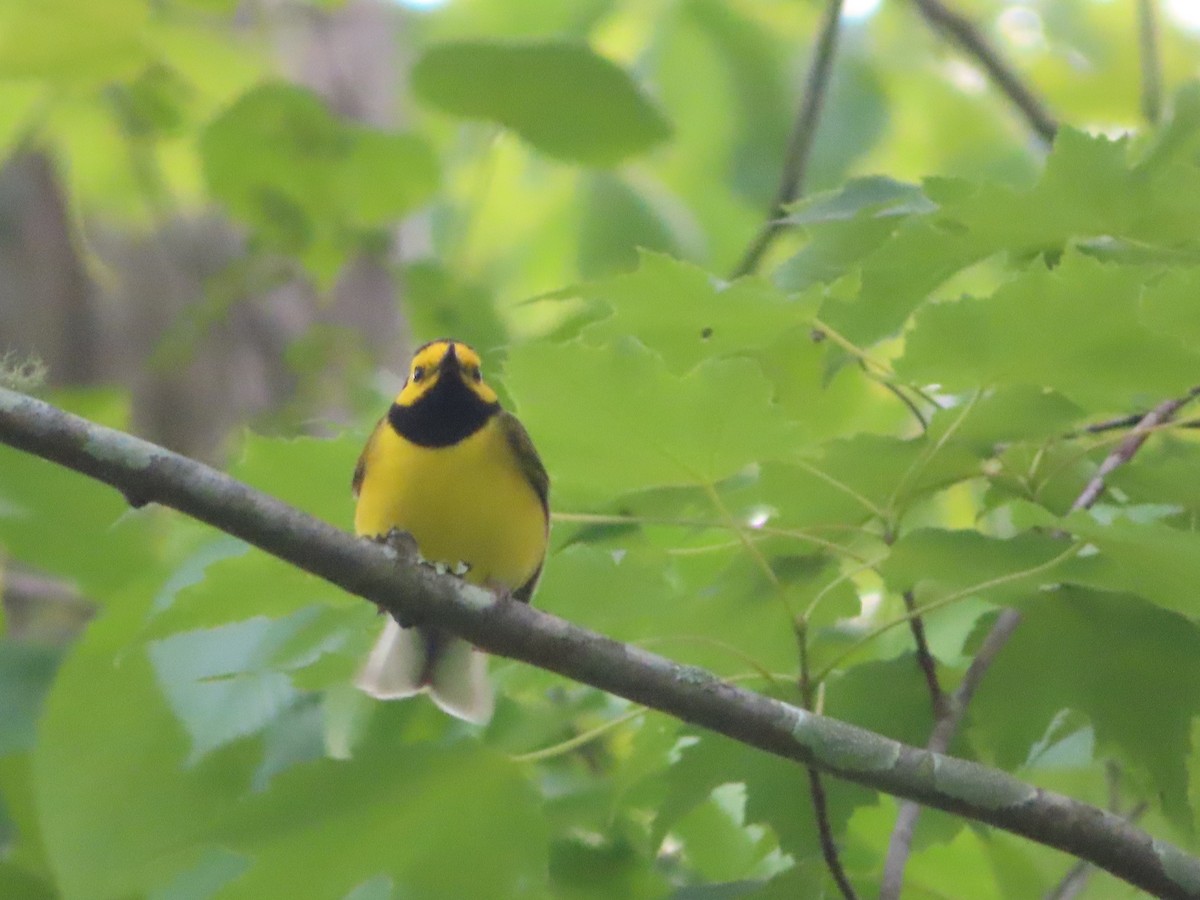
x,y
468,502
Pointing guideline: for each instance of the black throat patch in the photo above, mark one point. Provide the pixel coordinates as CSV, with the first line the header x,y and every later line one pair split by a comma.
x,y
446,415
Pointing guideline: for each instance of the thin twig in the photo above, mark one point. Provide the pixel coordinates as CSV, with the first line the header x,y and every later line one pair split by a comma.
x,y
800,142
970,39
896,391
828,847
816,787
1122,422
946,727
937,697
1151,60
1125,451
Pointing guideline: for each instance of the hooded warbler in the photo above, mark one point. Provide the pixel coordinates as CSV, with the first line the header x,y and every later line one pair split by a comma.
x,y
451,467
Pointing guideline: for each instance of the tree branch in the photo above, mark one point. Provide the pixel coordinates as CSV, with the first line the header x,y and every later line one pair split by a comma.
x,y
946,726
1125,450
392,578
959,29
1076,878
925,660
800,142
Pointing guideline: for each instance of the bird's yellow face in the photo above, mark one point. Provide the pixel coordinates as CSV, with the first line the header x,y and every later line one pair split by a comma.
x,y
439,360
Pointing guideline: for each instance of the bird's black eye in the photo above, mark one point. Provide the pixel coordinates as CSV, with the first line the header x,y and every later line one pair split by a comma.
x,y
418,373
476,373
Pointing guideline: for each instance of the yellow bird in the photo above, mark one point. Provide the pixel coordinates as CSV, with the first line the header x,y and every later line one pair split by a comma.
x,y
460,474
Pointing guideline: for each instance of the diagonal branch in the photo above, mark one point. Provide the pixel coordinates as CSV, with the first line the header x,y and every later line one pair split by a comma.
x,y
946,726
392,578
962,31
800,142
1132,443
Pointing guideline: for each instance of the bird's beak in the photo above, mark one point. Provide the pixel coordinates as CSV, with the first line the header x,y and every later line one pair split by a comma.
x,y
449,362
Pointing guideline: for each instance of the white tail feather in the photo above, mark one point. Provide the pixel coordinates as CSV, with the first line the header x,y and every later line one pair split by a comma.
x,y
393,670
458,683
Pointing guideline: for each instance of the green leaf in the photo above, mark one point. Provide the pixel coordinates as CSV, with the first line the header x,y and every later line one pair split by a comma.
x,y
306,181
620,217
1014,413
440,301
1169,306
1108,656
205,879
777,792
1151,559
72,526
937,563
1110,361
311,474
578,403
124,815
854,695
1144,204
411,812
706,317
26,671
876,197
1162,473
237,586
563,98
589,870
69,41
855,479
216,681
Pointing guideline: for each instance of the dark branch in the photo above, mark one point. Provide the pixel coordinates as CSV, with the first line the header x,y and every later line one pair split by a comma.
x,y
946,726
828,848
394,580
925,658
959,29
800,142
816,788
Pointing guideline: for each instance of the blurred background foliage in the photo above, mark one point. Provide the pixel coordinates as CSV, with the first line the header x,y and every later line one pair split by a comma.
x,y
224,224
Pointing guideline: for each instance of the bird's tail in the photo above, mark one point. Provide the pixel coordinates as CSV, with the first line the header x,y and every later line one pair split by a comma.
x,y
407,661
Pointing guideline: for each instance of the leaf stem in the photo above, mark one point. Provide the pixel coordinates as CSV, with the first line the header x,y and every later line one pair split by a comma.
x,y
578,740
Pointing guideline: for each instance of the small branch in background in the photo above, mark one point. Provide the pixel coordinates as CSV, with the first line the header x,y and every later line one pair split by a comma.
x,y
1151,60
1123,422
925,660
947,725
962,31
816,787
828,847
1125,451
800,142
